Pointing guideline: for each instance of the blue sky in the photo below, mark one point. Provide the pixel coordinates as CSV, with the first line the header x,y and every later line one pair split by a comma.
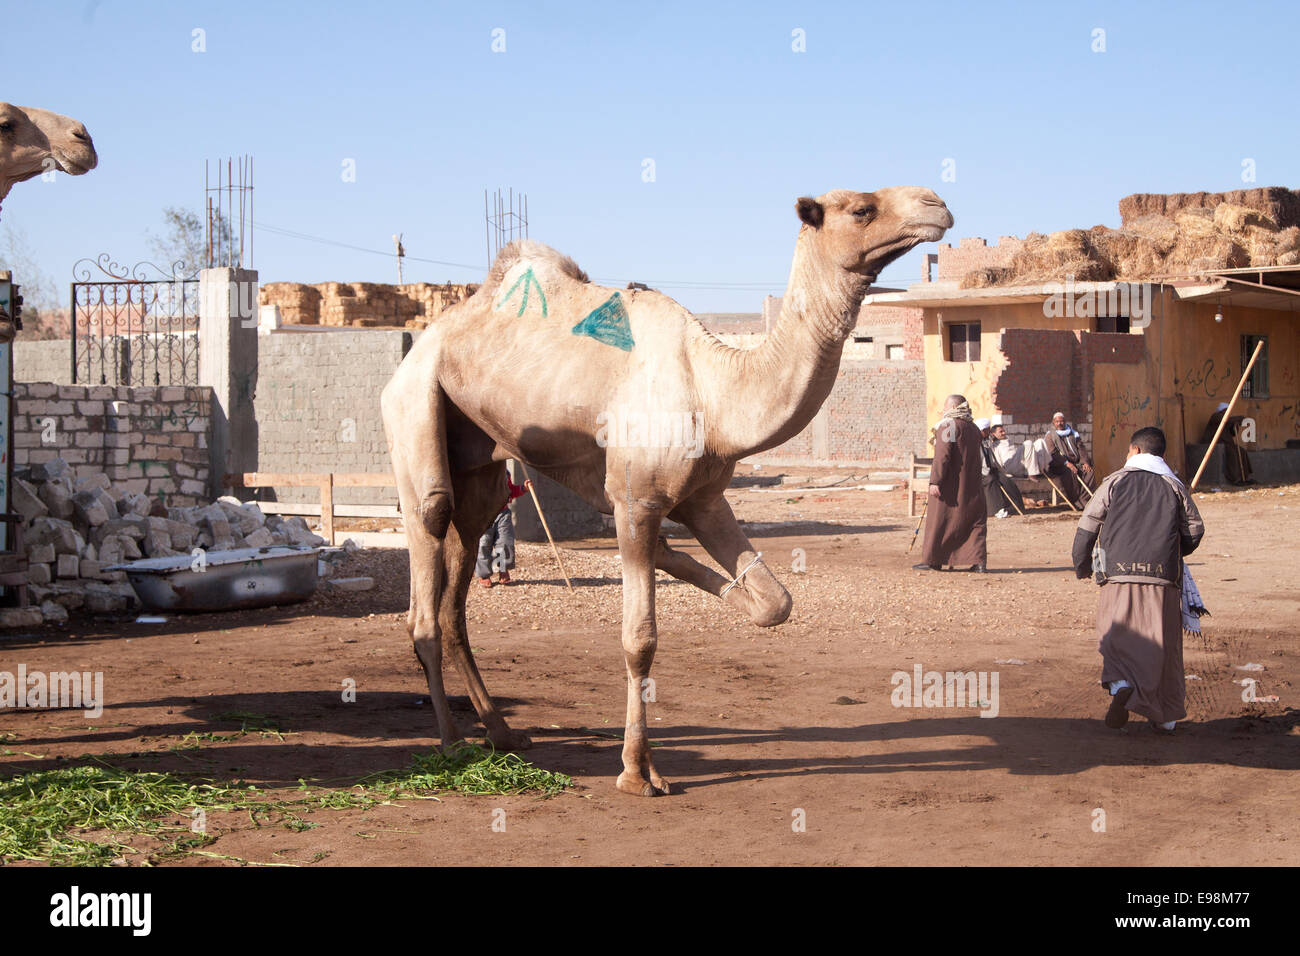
x,y
1043,133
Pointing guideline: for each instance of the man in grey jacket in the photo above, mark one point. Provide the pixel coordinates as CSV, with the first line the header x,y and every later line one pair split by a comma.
x,y
1143,522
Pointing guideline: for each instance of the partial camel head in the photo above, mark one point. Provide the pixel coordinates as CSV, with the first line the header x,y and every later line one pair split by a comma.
x,y
864,232
35,141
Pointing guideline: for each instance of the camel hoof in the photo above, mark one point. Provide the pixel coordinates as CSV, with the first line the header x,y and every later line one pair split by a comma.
x,y
508,740
639,786
449,745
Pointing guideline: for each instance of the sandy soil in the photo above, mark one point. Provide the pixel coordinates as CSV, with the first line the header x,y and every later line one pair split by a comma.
x,y
758,729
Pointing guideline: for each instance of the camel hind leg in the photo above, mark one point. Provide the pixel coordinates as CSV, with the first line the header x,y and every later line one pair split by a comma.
x,y
417,443
479,497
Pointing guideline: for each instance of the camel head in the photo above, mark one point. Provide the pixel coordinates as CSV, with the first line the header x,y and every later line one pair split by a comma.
x,y
864,232
35,141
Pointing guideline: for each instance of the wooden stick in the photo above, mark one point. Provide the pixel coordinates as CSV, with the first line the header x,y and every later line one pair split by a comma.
x,y
925,504
1060,492
1010,500
537,502
1227,413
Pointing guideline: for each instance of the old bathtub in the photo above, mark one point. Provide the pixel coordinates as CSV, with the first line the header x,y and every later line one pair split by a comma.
x,y
224,580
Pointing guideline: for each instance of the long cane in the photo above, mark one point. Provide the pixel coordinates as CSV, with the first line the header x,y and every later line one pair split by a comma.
x,y
1084,485
1060,492
1010,500
1227,412
924,504
556,551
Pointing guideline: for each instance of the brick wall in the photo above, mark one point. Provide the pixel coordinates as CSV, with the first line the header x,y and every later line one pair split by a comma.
x,y
148,440
974,253
1039,377
1033,385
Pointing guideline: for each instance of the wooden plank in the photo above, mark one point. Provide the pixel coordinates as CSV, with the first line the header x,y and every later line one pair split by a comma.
x,y
364,480
268,479
340,511
378,539
327,509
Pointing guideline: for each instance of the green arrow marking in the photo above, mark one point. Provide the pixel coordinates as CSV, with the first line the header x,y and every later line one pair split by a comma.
x,y
529,282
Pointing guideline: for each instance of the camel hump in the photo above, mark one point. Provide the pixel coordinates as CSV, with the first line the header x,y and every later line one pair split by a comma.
x,y
534,252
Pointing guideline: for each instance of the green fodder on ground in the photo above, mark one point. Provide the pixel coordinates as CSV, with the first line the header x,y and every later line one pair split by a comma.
x,y
89,815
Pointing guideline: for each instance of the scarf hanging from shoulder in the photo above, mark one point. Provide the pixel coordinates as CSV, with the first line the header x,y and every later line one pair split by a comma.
x,y
1193,607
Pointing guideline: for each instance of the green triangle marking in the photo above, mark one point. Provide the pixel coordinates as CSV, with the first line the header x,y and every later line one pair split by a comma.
x,y
608,323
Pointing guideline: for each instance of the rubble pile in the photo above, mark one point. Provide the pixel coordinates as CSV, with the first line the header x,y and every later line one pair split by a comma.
x,y
76,525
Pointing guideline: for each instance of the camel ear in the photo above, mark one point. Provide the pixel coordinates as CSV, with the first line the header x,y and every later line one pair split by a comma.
x,y
810,211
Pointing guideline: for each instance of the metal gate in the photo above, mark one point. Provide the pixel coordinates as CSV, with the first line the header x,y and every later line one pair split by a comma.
x,y
133,329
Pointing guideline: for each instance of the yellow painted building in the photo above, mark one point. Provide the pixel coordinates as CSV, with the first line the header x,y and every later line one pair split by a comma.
x,y
1115,357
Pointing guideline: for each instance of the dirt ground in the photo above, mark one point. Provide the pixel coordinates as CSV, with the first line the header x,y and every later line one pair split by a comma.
x,y
759,730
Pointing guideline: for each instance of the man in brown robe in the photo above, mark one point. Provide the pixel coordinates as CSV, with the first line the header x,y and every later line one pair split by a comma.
x,y
1142,521
1236,463
1070,467
956,520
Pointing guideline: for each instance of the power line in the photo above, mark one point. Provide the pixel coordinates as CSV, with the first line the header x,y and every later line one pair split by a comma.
x,y
693,285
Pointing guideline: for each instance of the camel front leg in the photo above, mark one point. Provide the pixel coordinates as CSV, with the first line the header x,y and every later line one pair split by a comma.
x,y
638,539
759,594
685,568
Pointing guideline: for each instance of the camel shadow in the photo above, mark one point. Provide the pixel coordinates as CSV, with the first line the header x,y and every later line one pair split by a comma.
x,y
252,738
1023,746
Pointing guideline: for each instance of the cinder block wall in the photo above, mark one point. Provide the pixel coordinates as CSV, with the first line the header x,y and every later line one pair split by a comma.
x,y
148,440
875,415
317,407
47,361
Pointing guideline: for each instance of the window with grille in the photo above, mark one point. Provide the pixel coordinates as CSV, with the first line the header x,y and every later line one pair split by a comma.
x,y
1257,384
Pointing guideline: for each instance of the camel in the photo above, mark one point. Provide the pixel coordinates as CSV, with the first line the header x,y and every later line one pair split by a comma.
x,y
35,141
572,379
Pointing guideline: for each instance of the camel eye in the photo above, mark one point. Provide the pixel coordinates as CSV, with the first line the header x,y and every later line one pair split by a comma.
x,y
6,127
865,213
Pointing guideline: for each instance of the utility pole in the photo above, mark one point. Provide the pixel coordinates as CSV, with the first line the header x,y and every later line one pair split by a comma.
x,y
401,251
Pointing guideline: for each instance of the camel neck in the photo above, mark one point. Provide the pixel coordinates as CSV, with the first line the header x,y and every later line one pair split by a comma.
x,y
768,394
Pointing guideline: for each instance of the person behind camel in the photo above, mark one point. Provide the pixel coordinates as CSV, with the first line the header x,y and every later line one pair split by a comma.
x,y
497,546
1144,522
1001,496
956,520
1236,463
1070,464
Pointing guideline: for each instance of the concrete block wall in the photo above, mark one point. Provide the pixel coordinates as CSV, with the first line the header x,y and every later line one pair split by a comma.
x,y
874,415
317,407
148,440
43,361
